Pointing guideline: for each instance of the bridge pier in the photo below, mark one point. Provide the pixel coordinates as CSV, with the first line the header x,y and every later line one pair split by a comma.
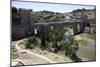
x,y
76,28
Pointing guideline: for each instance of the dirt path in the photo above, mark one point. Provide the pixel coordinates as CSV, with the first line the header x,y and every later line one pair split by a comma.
x,y
33,54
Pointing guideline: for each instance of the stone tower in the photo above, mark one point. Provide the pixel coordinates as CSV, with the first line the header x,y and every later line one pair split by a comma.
x,y
26,19
24,28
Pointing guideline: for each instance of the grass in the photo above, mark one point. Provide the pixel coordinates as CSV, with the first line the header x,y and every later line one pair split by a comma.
x,y
13,53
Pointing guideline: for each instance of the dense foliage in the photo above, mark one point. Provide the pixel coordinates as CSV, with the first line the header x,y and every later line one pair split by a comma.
x,y
31,43
56,42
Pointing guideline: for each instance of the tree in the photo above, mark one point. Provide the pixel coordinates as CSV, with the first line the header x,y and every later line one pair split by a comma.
x,y
70,45
84,9
14,10
56,39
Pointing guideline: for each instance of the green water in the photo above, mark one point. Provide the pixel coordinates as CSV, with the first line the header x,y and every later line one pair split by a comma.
x,y
87,50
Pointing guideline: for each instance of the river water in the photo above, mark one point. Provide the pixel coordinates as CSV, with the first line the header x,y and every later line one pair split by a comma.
x,y
87,50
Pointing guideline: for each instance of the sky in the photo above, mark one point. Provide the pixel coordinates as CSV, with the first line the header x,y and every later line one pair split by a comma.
x,y
36,6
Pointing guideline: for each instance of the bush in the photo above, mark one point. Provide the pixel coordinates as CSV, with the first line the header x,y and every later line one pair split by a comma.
x,y
31,43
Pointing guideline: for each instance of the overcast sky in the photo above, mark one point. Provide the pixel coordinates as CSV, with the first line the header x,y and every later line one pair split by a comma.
x,y
48,6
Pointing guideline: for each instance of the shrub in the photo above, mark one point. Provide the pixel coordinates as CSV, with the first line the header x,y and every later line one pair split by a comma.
x,y
31,43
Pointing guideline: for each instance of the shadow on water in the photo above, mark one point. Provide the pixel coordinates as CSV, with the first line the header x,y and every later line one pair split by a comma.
x,y
75,58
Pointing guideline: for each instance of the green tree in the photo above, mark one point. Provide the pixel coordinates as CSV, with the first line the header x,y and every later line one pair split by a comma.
x,y
70,45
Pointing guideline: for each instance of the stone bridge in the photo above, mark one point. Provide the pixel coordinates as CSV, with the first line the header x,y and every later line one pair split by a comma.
x,y
76,25
22,31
